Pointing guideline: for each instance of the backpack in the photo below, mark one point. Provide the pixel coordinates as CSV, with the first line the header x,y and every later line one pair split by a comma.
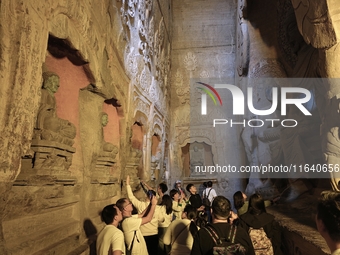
x,y
225,246
205,200
262,244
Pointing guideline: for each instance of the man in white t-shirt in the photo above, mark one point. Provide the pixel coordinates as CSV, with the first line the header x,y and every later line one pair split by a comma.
x,y
328,219
132,223
209,192
149,230
110,240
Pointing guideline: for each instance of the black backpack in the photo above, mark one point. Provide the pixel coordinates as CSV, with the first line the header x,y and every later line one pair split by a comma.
x,y
225,246
205,200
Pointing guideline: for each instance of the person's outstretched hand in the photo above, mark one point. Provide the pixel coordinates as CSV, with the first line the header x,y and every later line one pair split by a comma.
x,y
154,200
128,180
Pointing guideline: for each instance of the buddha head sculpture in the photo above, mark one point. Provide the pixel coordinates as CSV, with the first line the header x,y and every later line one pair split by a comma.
x,y
50,82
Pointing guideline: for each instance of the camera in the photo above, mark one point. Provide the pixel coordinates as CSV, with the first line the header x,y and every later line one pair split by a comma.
x,y
149,193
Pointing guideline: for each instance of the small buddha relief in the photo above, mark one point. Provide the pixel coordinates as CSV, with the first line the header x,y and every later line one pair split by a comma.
x,y
105,164
108,149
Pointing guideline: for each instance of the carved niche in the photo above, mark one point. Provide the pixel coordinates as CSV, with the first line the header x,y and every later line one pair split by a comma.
x,y
107,156
156,148
155,157
134,161
53,137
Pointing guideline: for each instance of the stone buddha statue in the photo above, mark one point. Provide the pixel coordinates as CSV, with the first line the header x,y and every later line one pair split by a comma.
x,y
108,149
49,126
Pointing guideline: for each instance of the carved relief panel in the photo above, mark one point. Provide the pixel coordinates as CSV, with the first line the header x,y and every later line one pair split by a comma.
x,y
107,169
53,137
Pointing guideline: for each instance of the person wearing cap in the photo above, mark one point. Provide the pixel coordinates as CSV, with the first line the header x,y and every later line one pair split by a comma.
x,y
178,186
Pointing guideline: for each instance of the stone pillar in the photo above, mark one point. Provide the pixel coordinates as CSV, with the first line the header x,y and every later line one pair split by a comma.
x,y
323,35
147,157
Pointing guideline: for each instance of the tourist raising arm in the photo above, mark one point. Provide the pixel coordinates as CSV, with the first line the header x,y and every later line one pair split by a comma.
x,y
131,225
140,205
149,211
149,230
178,204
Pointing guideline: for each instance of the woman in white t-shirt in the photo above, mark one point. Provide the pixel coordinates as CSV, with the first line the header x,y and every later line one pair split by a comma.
x,y
167,214
180,233
178,204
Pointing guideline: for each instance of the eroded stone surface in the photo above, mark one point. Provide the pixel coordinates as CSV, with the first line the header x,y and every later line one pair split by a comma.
x,y
135,61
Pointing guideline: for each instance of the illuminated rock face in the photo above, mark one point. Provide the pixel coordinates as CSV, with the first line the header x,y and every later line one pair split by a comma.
x,y
134,61
60,163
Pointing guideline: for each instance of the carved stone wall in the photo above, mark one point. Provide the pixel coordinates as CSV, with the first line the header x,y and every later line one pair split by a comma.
x,y
135,60
117,62
204,47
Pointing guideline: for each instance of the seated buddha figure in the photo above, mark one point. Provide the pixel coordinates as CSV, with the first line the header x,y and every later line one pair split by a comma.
x,y
108,149
49,126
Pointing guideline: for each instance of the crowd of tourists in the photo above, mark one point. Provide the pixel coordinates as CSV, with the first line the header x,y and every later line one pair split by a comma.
x,y
185,222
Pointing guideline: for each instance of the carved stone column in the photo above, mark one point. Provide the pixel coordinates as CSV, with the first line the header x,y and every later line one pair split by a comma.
x,y
319,26
147,157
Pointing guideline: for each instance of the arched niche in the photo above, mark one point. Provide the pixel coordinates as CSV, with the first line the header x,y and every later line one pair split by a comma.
x,y
137,136
185,155
53,149
166,169
112,130
138,130
137,141
156,141
107,165
156,155
157,125
197,152
74,74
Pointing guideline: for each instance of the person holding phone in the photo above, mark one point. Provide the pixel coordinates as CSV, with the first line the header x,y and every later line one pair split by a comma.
x,y
131,225
149,230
